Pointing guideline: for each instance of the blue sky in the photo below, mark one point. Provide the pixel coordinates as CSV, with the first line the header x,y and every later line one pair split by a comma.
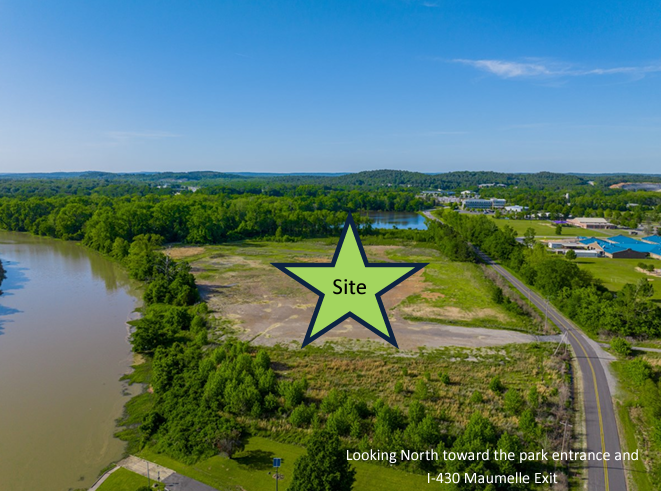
x,y
321,86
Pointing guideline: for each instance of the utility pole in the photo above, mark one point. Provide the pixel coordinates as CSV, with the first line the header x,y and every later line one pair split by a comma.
x,y
148,477
564,436
564,336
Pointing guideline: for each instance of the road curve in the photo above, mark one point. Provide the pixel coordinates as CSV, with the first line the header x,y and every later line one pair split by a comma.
x,y
600,422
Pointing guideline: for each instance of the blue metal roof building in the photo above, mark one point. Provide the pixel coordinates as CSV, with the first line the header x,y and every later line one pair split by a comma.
x,y
655,239
622,239
623,246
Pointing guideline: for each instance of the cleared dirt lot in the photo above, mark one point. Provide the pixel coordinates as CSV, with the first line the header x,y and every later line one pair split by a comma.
x,y
263,305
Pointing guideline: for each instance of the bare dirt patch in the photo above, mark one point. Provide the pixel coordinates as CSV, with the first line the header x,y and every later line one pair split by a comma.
x,y
183,252
431,295
268,307
380,252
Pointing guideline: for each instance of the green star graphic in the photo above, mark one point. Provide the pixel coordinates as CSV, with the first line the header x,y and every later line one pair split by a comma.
x,y
349,286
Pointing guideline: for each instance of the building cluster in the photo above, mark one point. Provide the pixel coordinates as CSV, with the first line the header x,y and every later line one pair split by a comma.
x,y
590,223
484,204
618,246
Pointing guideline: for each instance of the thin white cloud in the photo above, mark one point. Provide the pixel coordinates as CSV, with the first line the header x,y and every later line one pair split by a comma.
x,y
508,69
546,69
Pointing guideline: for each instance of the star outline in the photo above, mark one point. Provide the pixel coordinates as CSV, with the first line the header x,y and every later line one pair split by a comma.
x,y
349,223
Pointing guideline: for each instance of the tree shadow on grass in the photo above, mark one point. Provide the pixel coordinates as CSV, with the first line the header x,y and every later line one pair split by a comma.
x,y
256,460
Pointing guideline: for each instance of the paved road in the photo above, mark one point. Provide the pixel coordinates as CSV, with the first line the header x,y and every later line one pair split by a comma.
x,y
177,482
600,422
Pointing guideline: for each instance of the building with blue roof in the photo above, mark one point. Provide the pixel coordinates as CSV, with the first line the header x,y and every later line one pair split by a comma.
x,y
622,239
621,246
652,239
656,252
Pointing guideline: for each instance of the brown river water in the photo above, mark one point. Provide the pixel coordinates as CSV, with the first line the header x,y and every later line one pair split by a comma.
x,y
63,348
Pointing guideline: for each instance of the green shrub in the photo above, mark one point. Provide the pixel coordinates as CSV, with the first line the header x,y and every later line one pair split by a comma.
x,y
399,387
533,397
621,346
513,402
527,424
476,397
416,412
421,391
496,385
444,377
302,415
497,295
638,371
333,401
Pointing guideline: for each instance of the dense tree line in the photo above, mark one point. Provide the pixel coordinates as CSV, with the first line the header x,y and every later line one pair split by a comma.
x,y
186,420
108,224
167,182
630,312
386,190
448,181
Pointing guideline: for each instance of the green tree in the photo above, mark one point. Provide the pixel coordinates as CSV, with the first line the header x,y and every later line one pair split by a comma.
x,y
558,229
529,237
571,255
324,467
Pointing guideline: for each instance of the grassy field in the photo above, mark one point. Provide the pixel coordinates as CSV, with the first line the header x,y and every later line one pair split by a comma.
x,y
371,375
252,469
545,228
636,425
615,273
456,292
125,480
639,472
